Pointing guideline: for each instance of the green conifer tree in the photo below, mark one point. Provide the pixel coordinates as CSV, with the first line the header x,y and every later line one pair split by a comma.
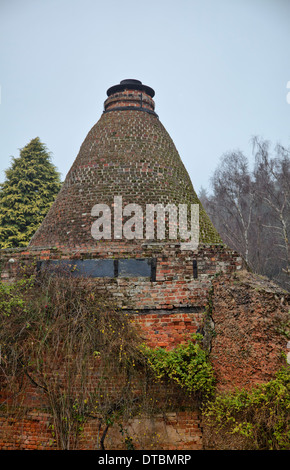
x,y
31,185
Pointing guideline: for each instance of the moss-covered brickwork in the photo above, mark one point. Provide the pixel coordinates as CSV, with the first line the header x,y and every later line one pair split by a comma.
x,y
128,153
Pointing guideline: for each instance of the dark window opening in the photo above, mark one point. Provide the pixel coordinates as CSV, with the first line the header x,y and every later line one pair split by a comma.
x,y
112,268
194,265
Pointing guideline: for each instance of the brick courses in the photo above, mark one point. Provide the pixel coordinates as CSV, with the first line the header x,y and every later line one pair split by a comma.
x,y
128,153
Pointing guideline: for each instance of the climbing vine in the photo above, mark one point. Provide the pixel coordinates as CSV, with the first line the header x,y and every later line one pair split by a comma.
x,y
187,365
60,336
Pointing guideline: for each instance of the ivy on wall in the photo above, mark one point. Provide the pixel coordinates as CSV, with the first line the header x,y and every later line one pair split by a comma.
x,y
187,365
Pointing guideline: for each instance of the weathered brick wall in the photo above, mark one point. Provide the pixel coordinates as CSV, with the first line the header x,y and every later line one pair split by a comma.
x,y
172,431
30,425
179,430
250,315
32,432
167,330
167,311
175,284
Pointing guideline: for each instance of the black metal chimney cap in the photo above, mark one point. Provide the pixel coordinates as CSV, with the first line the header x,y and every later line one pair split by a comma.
x,y
132,85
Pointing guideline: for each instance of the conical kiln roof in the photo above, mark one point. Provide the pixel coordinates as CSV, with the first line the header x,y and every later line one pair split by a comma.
x,y
127,153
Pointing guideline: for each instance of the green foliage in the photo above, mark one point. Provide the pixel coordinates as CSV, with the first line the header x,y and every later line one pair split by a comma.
x,y
11,296
261,416
31,186
187,365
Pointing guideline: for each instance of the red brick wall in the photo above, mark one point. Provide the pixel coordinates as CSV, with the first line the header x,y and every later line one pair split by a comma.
x,y
249,315
30,433
29,426
167,311
167,330
174,431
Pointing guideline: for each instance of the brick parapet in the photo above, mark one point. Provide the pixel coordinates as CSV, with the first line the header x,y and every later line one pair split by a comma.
x,y
175,286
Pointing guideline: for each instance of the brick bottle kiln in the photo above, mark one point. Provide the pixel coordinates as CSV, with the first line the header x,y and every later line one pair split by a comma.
x,y
128,154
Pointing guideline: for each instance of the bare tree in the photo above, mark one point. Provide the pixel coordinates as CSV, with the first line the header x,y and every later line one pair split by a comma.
x,y
232,207
272,183
250,209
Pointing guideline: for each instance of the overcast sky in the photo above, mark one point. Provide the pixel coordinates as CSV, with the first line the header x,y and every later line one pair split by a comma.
x,y
219,68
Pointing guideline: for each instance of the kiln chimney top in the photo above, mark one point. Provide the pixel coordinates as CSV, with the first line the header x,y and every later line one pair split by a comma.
x,y
131,84
130,95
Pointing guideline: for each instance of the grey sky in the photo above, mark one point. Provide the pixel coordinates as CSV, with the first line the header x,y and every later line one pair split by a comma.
x,y
219,69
